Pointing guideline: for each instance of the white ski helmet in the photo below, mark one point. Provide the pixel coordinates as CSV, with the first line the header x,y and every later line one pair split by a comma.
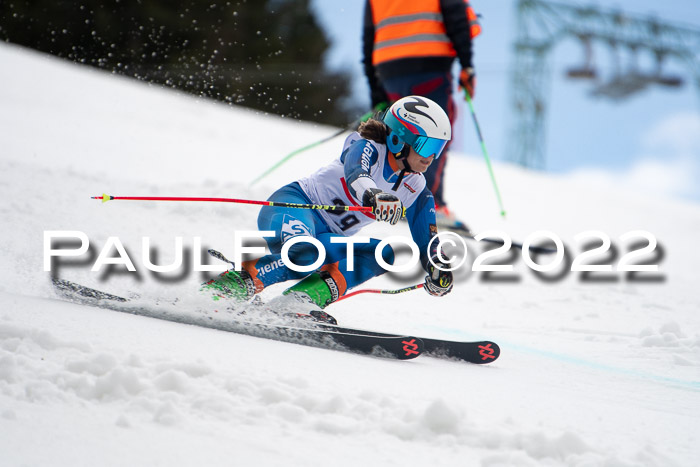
x,y
420,123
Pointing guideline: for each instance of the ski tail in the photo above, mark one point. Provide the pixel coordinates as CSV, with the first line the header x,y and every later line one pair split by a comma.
x,y
68,288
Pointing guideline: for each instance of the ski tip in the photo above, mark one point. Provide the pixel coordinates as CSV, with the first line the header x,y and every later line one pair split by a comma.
x,y
488,352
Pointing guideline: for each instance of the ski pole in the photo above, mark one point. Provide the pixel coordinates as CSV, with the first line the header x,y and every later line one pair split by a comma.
x,y
483,149
218,255
335,208
363,118
386,292
294,153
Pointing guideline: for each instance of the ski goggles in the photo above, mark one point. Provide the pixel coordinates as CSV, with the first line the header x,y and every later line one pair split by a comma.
x,y
425,146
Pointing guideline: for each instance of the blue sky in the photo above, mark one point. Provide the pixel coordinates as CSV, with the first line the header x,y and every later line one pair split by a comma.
x,y
655,128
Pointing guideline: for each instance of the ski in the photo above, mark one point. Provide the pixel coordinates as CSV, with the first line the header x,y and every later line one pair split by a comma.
x,y
306,333
478,352
67,287
359,340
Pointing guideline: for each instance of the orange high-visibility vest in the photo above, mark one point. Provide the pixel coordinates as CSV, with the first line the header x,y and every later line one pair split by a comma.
x,y
412,29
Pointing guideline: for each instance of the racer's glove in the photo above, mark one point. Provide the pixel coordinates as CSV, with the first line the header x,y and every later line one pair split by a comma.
x,y
385,206
467,80
438,282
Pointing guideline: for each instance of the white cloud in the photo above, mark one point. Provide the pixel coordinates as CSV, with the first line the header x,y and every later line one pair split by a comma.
x,y
677,135
669,165
676,177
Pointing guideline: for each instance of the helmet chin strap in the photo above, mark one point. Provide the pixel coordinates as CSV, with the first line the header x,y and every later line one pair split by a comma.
x,y
406,169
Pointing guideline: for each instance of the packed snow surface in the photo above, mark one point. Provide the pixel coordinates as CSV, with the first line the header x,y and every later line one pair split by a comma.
x,y
596,369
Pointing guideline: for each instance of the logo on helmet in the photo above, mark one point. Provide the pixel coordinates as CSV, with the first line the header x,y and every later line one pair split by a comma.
x,y
413,108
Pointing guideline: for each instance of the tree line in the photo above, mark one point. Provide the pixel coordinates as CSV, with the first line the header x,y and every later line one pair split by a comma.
x,y
264,54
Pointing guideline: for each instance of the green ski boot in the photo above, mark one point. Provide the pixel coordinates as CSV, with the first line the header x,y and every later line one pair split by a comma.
x,y
236,285
307,298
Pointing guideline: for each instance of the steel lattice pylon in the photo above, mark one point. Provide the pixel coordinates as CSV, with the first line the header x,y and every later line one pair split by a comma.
x,y
541,25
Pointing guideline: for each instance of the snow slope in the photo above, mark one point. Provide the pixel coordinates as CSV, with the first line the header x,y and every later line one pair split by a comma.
x,y
593,372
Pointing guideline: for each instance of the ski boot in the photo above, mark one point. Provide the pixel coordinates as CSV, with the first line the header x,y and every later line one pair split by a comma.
x,y
307,298
232,284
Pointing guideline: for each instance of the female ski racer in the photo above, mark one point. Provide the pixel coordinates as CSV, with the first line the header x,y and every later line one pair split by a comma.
x,y
381,166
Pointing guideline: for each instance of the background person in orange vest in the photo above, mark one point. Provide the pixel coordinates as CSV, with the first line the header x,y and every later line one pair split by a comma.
x,y
409,48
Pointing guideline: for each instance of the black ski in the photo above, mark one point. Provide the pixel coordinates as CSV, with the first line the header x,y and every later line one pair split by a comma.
x,y
306,333
478,352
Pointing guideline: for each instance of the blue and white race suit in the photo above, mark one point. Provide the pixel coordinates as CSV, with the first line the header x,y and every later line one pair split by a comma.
x,y
363,164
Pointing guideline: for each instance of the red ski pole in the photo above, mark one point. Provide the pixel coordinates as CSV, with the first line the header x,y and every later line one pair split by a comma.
x,y
330,208
385,292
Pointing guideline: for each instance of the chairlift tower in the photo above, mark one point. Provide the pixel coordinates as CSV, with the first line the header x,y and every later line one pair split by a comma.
x,y
541,25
